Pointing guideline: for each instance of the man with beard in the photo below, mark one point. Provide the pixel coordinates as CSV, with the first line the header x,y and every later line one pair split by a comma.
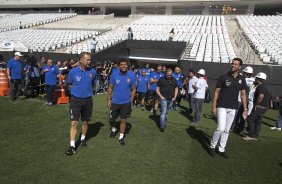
x,y
121,94
225,104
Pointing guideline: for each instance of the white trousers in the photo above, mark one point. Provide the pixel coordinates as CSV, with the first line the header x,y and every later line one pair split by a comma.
x,y
250,107
225,119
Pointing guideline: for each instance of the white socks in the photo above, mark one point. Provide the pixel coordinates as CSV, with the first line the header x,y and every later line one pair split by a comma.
x,y
114,129
72,143
121,136
82,137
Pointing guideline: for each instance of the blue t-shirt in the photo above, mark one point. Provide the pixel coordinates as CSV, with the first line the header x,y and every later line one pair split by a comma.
x,y
51,75
114,70
16,68
179,78
155,75
82,82
142,84
122,87
148,71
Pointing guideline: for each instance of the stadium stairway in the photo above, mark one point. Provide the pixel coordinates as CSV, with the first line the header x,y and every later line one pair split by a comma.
x,y
232,28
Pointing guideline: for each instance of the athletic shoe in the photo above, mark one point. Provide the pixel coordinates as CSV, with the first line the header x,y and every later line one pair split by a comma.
x,y
162,129
112,135
142,108
83,143
249,138
212,152
152,110
70,151
121,142
279,129
223,154
50,103
273,128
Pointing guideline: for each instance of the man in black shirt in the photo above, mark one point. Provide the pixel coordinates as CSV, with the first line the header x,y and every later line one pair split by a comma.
x,y
262,98
225,104
167,90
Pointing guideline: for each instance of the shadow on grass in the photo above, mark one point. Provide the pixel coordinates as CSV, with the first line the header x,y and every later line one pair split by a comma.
x,y
209,116
268,118
185,112
267,124
200,136
93,130
183,108
156,119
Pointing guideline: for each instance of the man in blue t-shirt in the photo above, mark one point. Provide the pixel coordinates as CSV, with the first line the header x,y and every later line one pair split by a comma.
x,y
178,75
81,80
155,76
147,69
143,84
15,74
51,72
120,96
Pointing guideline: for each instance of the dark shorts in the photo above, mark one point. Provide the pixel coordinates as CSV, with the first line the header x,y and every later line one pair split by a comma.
x,y
153,95
119,110
141,95
81,108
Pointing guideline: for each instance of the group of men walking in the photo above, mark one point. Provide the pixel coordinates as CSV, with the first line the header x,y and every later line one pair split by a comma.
x,y
165,87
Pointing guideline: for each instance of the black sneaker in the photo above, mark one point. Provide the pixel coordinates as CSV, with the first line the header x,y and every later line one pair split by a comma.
x,y
121,142
70,151
112,135
154,112
223,154
83,143
161,129
212,152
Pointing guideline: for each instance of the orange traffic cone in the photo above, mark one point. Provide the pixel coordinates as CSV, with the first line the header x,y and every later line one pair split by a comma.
x,y
4,83
60,94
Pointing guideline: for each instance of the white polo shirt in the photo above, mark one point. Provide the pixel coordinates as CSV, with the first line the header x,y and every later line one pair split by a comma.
x,y
201,88
191,82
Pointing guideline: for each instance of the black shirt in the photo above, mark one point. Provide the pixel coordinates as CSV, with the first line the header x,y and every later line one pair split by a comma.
x,y
167,88
263,89
229,90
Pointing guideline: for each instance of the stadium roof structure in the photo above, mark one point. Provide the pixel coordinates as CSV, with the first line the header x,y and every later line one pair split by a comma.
x,y
127,3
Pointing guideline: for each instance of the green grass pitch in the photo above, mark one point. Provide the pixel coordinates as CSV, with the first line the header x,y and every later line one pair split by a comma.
x,y
34,138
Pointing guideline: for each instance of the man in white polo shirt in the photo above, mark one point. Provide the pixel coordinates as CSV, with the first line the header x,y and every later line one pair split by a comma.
x,y
192,81
199,96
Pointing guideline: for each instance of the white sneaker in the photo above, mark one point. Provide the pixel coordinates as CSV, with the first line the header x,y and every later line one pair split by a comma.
x,y
279,129
273,128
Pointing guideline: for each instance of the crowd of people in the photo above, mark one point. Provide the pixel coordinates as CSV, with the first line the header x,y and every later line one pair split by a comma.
x,y
238,97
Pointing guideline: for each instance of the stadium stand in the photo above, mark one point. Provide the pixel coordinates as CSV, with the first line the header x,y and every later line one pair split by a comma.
x,y
264,35
31,20
207,35
46,40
